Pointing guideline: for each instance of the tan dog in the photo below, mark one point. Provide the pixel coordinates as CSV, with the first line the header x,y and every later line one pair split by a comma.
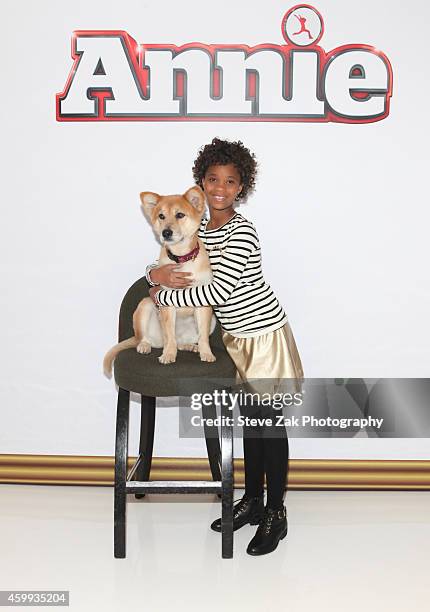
x,y
176,220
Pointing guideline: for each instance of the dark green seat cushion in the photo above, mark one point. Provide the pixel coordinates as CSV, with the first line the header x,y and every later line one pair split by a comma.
x,y
145,375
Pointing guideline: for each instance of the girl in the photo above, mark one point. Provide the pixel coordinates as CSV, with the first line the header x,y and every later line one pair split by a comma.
x,y
254,327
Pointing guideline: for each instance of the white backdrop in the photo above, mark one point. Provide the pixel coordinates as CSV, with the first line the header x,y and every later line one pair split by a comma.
x,y
341,210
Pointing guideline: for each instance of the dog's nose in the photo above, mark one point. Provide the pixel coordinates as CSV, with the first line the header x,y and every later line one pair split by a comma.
x,y
167,234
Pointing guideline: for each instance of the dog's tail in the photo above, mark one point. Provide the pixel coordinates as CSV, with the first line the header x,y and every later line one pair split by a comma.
x,y
113,352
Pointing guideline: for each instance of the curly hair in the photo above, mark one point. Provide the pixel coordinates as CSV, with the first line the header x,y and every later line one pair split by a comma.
x,y
222,152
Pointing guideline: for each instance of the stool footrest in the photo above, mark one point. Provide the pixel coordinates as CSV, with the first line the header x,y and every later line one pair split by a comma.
x,y
173,486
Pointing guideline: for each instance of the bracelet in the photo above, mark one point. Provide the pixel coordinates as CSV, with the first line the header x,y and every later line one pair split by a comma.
x,y
148,277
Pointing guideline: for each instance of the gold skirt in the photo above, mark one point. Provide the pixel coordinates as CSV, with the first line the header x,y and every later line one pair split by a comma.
x,y
269,363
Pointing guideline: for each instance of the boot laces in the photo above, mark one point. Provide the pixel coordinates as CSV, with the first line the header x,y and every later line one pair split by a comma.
x,y
239,505
268,518
267,522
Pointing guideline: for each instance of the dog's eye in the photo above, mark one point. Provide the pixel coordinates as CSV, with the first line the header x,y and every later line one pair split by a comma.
x,y
161,216
179,215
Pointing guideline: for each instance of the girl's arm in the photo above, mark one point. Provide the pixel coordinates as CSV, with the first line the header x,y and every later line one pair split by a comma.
x,y
168,275
242,242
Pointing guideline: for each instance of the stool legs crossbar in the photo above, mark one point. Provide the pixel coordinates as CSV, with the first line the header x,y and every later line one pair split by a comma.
x,y
137,481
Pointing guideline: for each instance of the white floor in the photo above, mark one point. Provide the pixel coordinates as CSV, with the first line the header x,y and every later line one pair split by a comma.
x,y
345,551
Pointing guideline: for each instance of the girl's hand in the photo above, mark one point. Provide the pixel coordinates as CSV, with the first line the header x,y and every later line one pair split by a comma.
x,y
170,276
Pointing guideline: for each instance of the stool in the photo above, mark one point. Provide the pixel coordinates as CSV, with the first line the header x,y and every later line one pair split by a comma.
x,y
143,374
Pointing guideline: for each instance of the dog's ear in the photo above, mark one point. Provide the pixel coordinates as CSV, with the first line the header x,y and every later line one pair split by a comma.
x,y
196,198
149,201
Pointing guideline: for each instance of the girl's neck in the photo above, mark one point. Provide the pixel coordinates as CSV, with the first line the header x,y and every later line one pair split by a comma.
x,y
217,218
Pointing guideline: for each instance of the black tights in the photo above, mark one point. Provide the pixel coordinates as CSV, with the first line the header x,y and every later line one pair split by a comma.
x,y
266,452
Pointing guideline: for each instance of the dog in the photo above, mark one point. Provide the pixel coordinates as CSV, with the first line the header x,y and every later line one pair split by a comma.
x,y
175,219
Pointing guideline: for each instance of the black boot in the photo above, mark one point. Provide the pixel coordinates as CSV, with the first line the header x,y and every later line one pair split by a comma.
x,y
272,528
247,510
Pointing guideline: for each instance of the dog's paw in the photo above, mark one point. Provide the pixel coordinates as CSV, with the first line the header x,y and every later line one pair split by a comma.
x,y
207,356
143,347
167,357
188,347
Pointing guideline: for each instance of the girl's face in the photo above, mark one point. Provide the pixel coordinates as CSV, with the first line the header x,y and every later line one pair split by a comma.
x,y
221,186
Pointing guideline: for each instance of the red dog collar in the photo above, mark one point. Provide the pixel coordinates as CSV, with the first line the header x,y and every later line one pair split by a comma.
x,y
183,258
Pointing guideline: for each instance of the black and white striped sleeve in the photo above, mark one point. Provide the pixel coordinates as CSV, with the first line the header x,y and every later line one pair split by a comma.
x,y
242,241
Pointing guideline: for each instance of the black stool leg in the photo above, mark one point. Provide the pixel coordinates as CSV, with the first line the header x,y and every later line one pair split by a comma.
x,y
227,484
146,443
212,441
120,495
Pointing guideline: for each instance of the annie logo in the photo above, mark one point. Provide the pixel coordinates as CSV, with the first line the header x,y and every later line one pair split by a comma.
x,y
115,79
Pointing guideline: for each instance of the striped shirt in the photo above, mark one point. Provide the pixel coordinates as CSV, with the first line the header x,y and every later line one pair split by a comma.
x,y
243,302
